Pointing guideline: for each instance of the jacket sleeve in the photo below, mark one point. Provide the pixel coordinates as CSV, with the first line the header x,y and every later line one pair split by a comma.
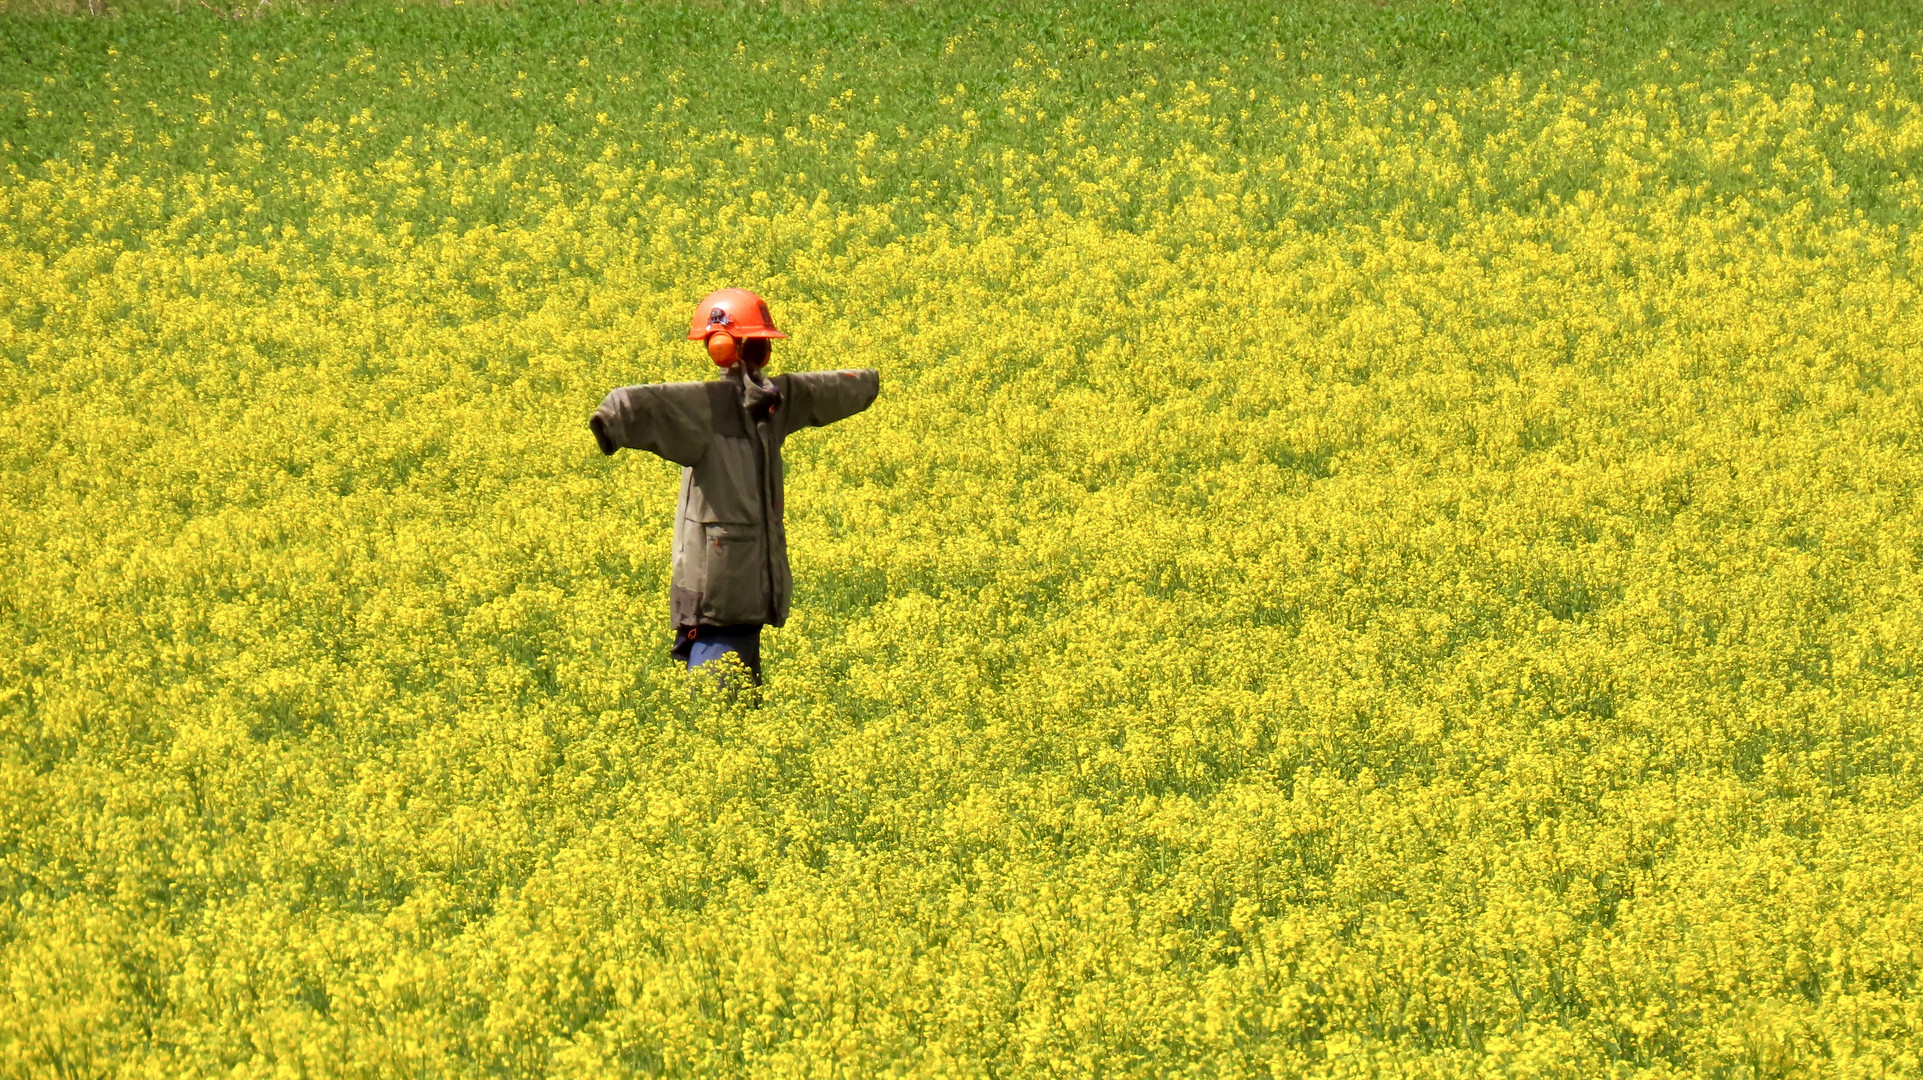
x,y
819,398
670,419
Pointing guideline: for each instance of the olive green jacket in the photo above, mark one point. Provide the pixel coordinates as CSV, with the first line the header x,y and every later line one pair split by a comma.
x,y
730,548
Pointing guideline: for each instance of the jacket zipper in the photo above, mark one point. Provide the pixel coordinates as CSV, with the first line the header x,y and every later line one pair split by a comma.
x,y
764,470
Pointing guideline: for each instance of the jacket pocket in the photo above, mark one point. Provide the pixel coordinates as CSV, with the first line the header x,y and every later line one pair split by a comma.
x,y
734,587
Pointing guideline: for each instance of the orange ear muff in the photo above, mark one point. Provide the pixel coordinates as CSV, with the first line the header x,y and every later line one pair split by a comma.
x,y
722,348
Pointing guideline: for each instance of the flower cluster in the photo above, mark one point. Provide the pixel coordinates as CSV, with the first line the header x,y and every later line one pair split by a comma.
x,y
1413,574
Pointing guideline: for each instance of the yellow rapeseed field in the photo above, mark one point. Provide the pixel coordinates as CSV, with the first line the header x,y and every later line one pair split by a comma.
x,y
1352,571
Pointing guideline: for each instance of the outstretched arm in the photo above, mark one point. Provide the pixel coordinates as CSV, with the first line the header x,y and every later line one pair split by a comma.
x,y
670,419
818,398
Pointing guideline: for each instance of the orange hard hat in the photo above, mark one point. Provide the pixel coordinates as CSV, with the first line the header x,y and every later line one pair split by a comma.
x,y
738,312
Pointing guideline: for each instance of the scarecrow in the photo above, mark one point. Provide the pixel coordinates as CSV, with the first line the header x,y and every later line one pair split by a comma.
x,y
730,574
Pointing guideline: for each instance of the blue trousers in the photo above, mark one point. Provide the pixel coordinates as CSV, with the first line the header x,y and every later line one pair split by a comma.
x,y
698,645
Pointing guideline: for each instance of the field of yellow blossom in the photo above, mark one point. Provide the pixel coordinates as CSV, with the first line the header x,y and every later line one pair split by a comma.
x,y
1390,543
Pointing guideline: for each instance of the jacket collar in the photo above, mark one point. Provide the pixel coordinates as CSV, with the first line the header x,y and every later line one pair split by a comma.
x,y
758,392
